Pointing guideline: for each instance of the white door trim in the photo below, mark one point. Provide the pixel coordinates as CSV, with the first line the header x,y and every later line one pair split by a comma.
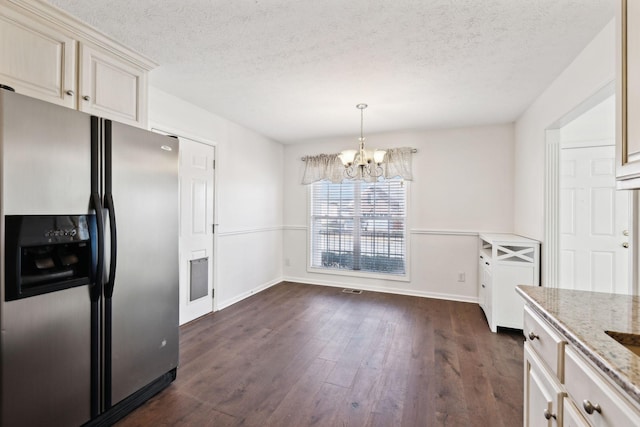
x,y
551,251
168,130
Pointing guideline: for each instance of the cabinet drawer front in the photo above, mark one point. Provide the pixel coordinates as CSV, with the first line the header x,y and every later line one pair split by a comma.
x,y
586,386
546,343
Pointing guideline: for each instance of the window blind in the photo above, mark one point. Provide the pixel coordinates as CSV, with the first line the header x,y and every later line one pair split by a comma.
x,y
357,225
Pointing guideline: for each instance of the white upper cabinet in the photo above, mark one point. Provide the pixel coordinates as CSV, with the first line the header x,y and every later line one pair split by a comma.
x,y
628,93
36,59
109,87
47,54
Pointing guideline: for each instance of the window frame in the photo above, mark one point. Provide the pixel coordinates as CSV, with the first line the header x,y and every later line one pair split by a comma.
x,y
406,277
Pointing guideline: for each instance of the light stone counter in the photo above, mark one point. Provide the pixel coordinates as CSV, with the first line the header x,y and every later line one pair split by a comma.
x,y
583,317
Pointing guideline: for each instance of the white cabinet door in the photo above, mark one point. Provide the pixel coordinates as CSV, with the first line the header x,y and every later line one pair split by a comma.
x,y
111,88
570,415
627,94
36,60
542,399
488,308
482,292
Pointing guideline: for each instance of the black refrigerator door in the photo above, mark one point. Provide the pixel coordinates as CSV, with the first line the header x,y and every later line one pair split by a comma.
x,y
141,185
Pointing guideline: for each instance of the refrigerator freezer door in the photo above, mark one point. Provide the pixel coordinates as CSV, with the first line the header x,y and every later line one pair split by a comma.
x,y
145,292
45,340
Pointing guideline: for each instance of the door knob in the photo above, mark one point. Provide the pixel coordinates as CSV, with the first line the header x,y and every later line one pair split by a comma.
x,y
86,98
625,232
625,245
69,92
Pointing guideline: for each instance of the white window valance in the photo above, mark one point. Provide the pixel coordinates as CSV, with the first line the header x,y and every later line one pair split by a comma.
x,y
396,163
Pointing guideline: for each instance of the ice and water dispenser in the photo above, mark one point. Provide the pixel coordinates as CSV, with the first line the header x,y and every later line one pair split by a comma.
x,y
47,253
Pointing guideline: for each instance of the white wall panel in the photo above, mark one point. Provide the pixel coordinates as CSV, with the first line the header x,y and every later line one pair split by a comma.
x,y
248,263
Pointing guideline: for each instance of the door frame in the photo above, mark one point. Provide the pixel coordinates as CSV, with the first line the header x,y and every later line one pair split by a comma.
x,y
551,255
168,130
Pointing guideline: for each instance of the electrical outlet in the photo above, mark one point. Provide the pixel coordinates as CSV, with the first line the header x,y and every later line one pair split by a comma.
x,y
462,277
287,262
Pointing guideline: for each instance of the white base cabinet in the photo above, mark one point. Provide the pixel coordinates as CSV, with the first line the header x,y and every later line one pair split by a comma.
x,y
505,261
49,55
562,388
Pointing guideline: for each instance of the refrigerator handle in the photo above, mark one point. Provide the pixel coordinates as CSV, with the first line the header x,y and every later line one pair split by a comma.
x,y
96,204
108,204
96,289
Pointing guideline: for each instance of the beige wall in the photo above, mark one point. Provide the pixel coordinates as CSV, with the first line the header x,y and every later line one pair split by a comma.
x,y
463,184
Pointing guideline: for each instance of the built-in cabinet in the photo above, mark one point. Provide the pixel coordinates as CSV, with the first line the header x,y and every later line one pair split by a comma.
x,y
563,388
628,94
49,55
505,261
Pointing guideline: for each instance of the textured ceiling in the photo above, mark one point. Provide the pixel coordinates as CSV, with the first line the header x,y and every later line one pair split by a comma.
x,y
295,69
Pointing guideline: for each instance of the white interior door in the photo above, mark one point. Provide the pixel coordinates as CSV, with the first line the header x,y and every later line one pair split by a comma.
x,y
196,229
594,222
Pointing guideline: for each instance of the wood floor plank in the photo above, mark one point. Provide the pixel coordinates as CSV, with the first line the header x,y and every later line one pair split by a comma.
x,y
301,395
298,355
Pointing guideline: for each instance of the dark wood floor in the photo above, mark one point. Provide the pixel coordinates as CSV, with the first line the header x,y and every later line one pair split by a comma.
x,y
303,355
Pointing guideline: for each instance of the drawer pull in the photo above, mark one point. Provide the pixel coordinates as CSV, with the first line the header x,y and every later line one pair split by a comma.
x,y
590,407
533,336
548,415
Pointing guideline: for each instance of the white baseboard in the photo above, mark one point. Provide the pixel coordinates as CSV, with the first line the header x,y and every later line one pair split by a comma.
x,y
409,292
226,303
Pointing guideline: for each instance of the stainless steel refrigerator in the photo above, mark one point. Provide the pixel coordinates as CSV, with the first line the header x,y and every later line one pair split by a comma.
x,y
89,266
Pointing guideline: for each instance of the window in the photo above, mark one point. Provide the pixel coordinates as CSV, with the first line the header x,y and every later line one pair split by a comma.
x,y
359,226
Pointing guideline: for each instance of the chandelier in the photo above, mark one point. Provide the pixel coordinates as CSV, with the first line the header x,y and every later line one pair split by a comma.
x,y
361,163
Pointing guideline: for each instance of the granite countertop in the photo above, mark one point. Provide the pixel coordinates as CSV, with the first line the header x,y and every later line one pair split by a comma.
x,y
583,317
